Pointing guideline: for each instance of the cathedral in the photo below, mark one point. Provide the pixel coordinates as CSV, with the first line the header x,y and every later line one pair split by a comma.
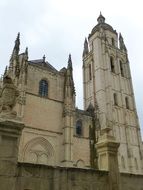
x,y
55,133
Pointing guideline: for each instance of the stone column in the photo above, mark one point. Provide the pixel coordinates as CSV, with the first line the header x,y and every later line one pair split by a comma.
x,y
107,149
10,132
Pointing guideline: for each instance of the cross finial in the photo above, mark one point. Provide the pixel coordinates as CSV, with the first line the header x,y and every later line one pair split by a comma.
x,y
44,58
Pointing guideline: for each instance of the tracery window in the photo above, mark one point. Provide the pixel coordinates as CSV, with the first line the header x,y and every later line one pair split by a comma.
x,y
43,88
79,130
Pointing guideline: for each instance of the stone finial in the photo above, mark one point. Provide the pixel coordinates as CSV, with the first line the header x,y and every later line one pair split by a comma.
x,y
69,62
44,58
26,52
8,98
101,19
69,82
15,55
17,44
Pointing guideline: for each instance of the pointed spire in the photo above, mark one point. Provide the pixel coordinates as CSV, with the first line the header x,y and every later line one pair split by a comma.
x,y
69,83
17,43
121,43
16,47
69,62
101,19
85,50
120,36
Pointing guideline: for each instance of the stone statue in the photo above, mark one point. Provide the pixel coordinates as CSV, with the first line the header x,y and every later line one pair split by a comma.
x,y
8,97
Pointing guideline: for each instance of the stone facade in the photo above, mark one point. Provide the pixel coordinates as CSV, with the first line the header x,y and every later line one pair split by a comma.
x,y
107,83
28,176
48,143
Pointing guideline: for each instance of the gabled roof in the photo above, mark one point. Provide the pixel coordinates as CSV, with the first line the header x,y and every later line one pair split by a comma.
x,y
41,64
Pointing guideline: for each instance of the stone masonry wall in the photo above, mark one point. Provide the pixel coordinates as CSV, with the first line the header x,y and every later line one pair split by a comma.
x,y
131,182
40,177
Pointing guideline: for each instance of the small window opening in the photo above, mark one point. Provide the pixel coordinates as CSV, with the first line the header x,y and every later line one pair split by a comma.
x,y
43,88
113,41
115,99
112,65
79,128
123,162
136,164
121,69
90,76
127,102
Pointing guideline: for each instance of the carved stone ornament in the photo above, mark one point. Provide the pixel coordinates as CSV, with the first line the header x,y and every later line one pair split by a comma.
x,y
21,100
8,98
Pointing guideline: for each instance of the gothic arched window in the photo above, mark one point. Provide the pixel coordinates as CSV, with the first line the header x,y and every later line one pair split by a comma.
x,y
79,130
43,88
121,69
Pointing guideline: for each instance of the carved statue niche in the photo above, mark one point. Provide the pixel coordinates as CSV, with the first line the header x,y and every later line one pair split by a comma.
x,y
8,98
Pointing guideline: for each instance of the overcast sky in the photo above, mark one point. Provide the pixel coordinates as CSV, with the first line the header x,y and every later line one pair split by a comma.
x,y
58,27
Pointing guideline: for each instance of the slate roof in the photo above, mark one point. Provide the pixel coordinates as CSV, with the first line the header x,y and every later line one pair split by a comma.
x,y
44,65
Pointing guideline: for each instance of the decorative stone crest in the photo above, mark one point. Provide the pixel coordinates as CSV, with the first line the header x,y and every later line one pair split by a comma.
x,y
21,100
8,98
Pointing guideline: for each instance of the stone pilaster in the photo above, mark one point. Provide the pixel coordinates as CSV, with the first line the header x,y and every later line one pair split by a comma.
x,y
10,132
107,149
68,139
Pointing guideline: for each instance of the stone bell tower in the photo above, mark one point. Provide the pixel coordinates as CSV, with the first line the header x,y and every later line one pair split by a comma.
x,y
107,83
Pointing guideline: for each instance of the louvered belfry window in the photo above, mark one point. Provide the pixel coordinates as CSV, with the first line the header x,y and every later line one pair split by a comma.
x,y
43,88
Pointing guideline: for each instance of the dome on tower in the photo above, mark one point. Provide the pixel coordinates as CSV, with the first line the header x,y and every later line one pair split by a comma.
x,y
101,24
